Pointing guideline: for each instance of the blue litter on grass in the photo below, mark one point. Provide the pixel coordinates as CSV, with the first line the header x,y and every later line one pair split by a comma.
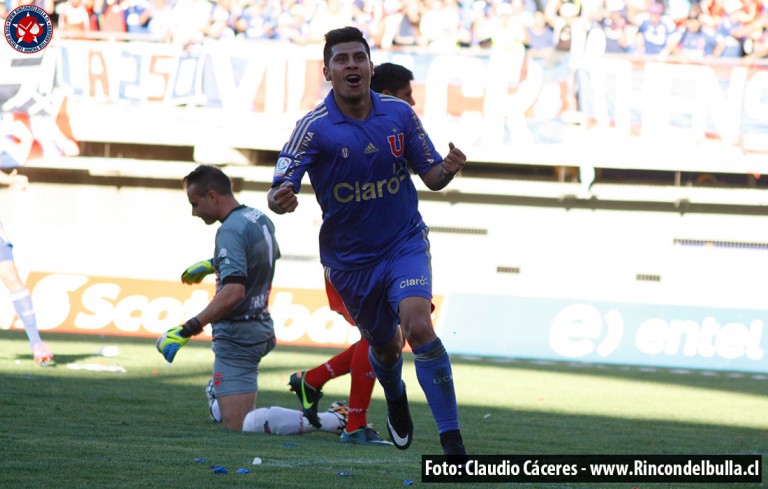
x,y
200,460
219,470
243,471
407,482
345,474
290,445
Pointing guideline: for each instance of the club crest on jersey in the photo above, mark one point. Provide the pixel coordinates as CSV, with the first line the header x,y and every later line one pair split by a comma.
x,y
345,152
28,29
397,146
282,166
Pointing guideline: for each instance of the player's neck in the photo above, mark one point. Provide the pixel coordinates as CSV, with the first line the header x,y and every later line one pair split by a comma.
x,y
357,109
230,204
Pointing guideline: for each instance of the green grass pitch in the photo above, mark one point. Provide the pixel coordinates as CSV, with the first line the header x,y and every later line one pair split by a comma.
x,y
140,423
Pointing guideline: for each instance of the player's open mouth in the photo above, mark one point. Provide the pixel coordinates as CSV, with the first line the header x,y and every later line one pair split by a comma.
x,y
354,80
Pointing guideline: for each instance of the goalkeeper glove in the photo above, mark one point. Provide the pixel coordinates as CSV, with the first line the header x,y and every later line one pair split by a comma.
x,y
172,340
197,272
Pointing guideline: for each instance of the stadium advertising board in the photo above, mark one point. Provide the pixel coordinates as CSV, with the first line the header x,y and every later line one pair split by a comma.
x,y
497,326
70,303
607,332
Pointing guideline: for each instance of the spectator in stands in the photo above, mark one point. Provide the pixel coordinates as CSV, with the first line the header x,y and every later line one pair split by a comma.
x,y
137,13
292,25
74,19
692,39
539,37
328,15
654,32
47,5
679,10
219,25
618,31
499,26
189,21
392,14
730,34
254,22
368,16
162,20
756,38
439,26
112,18
409,29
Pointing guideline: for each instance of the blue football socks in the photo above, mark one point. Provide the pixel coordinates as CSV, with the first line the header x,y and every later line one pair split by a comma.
x,y
433,369
390,376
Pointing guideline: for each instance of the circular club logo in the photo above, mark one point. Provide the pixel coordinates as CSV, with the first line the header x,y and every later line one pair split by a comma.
x,y
28,29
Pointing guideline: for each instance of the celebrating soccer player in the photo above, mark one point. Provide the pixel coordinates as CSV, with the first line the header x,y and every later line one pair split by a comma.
x,y
356,147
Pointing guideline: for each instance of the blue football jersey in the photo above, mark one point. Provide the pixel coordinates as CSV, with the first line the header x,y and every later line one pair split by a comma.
x,y
359,172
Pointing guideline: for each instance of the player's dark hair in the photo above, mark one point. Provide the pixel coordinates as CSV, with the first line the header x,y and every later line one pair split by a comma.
x,y
207,178
338,36
390,76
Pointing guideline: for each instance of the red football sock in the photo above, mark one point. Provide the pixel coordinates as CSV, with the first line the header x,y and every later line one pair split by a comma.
x,y
336,366
361,388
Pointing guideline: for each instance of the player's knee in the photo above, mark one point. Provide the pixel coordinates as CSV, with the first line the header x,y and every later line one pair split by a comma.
x,y
388,354
419,331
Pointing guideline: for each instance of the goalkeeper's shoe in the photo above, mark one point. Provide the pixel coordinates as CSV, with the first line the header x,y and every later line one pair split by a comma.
x,y
308,397
364,436
213,405
42,354
169,343
341,411
399,422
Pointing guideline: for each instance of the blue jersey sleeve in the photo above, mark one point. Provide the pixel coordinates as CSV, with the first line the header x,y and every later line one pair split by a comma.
x,y
300,152
420,151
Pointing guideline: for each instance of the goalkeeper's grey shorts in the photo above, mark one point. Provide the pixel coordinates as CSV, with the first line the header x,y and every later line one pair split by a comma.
x,y
236,367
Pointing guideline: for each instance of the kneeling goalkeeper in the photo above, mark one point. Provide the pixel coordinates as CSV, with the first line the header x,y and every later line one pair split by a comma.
x,y
244,262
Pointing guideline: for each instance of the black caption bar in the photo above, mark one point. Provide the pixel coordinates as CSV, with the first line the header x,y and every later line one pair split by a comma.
x,y
594,468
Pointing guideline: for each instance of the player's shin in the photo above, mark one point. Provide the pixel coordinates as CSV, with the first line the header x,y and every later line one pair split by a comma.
x,y
433,369
390,376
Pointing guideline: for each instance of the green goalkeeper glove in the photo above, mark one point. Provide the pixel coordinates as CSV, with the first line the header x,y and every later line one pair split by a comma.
x,y
197,272
172,340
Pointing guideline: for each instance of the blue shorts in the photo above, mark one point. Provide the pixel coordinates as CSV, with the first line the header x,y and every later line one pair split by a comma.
x,y
371,296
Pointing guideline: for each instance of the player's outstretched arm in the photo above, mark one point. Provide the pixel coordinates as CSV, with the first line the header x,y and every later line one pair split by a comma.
x,y
282,199
440,176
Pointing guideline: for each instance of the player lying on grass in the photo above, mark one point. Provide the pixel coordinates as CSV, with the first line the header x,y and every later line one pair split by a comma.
x,y
276,420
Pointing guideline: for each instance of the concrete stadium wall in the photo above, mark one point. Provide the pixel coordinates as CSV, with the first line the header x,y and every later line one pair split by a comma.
x,y
601,285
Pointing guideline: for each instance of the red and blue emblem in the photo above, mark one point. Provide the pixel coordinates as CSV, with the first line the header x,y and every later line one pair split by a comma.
x,y
28,29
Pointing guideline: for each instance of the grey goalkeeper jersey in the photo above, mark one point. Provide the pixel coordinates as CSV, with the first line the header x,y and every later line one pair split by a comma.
x,y
246,251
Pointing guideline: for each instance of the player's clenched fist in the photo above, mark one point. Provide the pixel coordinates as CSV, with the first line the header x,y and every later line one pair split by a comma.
x,y
454,161
282,199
